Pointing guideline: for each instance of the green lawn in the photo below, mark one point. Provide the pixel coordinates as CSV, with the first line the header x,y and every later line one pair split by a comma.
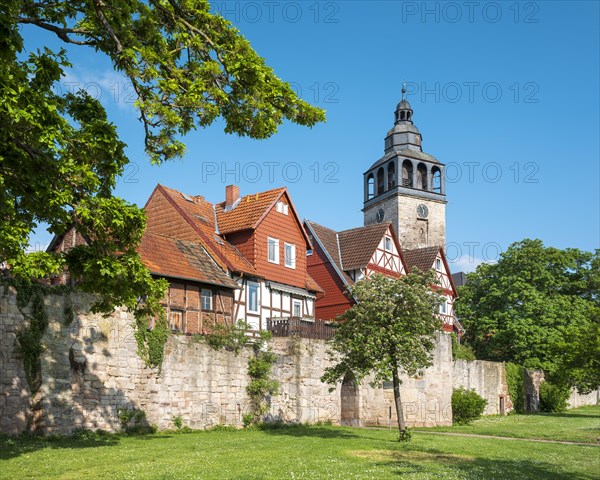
x,y
317,452
578,425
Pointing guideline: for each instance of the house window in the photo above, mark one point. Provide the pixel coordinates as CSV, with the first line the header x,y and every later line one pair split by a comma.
x,y
290,255
282,207
273,247
388,244
309,252
176,320
253,300
443,307
297,308
207,298
438,264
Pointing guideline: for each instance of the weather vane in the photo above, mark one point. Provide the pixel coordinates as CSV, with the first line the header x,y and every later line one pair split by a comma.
x,y
403,89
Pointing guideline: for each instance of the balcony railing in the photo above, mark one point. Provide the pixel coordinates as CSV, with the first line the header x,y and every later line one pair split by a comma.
x,y
299,327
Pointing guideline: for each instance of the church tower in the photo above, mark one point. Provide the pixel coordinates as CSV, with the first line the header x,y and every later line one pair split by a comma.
x,y
407,186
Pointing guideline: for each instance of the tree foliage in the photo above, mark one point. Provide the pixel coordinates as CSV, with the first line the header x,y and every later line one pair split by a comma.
x,y
390,331
537,307
60,156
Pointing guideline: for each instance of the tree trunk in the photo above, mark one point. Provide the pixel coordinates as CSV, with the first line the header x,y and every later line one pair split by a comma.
x,y
398,401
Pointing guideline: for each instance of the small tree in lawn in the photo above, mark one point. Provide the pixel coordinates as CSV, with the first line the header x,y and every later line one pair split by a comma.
x,y
391,330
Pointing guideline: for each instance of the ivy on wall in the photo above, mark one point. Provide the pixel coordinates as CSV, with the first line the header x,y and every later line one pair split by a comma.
x,y
515,378
150,342
232,338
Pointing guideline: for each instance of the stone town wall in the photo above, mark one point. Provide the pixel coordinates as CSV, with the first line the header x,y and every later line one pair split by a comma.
x,y
583,399
90,371
488,379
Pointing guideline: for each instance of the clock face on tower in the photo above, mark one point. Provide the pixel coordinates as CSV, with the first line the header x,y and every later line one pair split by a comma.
x,y
422,211
380,215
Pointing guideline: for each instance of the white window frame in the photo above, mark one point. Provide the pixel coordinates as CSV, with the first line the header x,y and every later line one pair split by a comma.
x,y
275,242
292,260
282,207
438,264
210,299
387,244
248,306
443,307
296,302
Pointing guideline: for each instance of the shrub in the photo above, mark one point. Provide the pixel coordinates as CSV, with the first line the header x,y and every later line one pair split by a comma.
x,y
461,351
553,398
467,406
178,422
230,337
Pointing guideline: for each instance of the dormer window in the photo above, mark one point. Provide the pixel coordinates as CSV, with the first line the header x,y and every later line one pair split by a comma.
x,y
282,207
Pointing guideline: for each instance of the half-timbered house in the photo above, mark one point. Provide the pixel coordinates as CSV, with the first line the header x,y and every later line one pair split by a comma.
x,y
341,258
266,229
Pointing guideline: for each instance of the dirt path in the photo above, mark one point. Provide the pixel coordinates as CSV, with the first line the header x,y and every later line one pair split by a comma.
x,y
564,442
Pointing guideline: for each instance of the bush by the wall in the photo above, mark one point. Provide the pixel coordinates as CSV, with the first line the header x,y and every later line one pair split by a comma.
x,y
461,351
515,378
553,398
467,406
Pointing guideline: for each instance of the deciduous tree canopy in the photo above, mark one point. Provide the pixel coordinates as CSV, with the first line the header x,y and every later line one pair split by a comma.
x,y
390,331
60,155
539,307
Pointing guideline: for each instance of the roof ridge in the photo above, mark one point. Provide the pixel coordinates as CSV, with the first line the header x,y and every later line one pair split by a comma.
x,y
337,238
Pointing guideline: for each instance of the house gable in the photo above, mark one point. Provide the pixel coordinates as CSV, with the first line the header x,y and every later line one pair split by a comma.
x,y
284,229
387,258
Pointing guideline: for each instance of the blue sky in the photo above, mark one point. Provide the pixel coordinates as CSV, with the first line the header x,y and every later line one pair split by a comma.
x,y
506,94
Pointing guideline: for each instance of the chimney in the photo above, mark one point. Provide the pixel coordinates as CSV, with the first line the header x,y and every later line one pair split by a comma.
x,y
232,194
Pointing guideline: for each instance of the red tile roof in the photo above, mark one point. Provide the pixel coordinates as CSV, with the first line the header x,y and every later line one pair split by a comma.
x,y
350,249
199,213
248,213
358,245
173,258
421,258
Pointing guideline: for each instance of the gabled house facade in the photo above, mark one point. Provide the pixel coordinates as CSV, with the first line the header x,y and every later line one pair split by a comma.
x,y
340,259
267,230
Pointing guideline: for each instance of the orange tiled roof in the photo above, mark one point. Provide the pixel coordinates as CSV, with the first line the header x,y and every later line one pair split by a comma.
x,y
248,212
358,245
201,216
170,257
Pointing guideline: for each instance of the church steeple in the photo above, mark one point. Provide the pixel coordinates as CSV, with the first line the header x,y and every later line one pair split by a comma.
x,y
407,186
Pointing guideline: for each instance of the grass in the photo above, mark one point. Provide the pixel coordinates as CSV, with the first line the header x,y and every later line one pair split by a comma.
x,y
578,425
316,452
